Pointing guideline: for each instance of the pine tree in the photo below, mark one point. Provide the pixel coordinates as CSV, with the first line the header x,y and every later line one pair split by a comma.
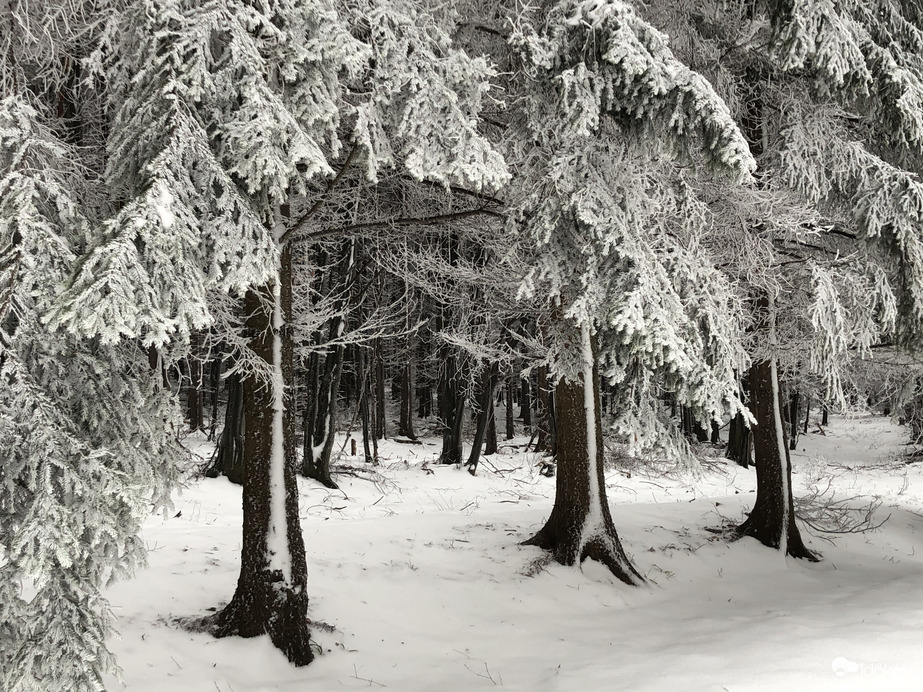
x,y
829,94
605,104
87,431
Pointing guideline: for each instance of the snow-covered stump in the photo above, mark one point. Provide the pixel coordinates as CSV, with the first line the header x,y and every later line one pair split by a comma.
x,y
271,596
580,525
772,521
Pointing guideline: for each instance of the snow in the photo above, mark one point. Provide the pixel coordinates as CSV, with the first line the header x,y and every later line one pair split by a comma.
x,y
163,206
277,548
783,457
424,580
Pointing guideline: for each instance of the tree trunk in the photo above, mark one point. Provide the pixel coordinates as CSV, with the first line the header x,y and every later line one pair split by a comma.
x,y
452,409
490,442
271,596
510,423
215,386
807,415
580,525
485,407
195,408
229,456
525,411
738,448
772,521
381,428
407,389
546,441
362,365
793,420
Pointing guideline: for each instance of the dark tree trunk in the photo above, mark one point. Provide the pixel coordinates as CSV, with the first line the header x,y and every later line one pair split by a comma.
x,y
271,596
490,442
485,407
772,521
381,429
195,408
510,422
452,409
362,365
715,433
692,428
807,415
525,411
320,413
738,448
580,525
546,442
425,408
215,387
793,420
407,388
229,456
824,419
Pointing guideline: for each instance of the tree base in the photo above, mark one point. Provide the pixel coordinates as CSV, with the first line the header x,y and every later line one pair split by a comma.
x,y
604,547
761,531
321,476
288,627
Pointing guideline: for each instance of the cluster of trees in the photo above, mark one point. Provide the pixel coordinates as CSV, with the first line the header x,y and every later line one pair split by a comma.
x,y
285,195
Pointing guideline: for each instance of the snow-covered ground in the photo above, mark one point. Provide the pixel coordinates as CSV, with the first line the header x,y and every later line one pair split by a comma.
x,y
418,582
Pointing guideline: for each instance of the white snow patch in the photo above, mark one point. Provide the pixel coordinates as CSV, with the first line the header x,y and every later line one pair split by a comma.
x,y
780,440
163,205
422,576
594,519
277,548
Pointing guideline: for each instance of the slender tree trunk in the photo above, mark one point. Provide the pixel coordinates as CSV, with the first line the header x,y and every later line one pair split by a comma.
x,y
525,411
793,419
271,596
825,416
362,365
546,442
381,428
510,423
772,521
715,433
580,525
490,442
738,448
807,415
215,387
195,408
452,409
485,408
229,457
407,389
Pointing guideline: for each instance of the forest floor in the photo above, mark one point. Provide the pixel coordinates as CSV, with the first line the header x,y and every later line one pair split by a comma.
x,y
418,581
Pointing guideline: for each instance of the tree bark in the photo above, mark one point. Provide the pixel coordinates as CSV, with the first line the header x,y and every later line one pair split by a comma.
x,y
772,521
271,596
738,448
546,442
195,408
229,456
452,408
381,428
510,423
485,408
407,389
525,411
580,525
